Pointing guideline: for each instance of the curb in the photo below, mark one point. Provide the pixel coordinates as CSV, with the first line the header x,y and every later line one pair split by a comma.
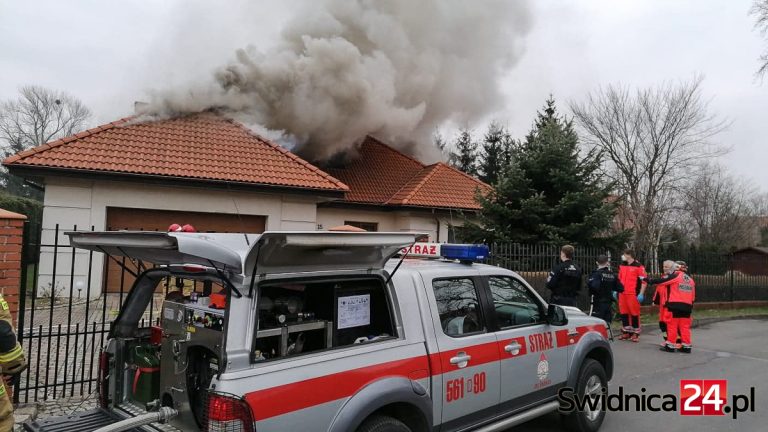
x,y
712,320
697,322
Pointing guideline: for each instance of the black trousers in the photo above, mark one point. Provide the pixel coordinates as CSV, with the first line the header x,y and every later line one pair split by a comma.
x,y
602,310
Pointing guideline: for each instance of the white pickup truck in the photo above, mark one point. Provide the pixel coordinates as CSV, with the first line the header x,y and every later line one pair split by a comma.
x,y
322,331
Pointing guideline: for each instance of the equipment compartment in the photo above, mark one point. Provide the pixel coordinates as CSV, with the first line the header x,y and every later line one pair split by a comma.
x,y
303,317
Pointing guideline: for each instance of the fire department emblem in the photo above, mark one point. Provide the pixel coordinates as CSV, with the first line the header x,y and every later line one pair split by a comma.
x,y
543,369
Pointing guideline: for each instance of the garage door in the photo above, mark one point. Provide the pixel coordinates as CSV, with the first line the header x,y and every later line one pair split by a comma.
x,y
119,218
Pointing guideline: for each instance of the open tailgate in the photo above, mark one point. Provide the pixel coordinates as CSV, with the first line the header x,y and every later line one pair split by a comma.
x,y
271,252
225,251
296,252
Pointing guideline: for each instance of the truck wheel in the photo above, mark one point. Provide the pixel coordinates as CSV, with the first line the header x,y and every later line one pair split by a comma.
x,y
590,382
382,423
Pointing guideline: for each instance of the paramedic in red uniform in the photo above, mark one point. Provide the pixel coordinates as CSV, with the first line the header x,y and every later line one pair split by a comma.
x,y
681,298
661,296
631,275
681,295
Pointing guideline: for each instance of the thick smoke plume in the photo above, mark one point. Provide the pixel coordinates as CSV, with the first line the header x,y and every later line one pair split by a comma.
x,y
343,69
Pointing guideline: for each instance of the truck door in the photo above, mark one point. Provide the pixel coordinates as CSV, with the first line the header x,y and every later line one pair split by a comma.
x,y
467,377
533,367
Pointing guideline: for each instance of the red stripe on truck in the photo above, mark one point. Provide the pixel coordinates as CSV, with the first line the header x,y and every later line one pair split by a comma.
x,y
563,339
283,399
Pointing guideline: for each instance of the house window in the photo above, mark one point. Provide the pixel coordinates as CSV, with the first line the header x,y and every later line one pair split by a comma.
x,y
368,226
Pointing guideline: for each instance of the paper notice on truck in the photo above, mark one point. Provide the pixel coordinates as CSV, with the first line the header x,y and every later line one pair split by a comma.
x,y
354,311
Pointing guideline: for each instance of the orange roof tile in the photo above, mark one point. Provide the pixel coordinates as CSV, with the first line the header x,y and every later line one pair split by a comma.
x,y
441,185
210,147
202,146
383,175
377,173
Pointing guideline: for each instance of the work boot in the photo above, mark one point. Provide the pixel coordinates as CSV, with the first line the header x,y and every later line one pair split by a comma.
x,y
635,337
667,348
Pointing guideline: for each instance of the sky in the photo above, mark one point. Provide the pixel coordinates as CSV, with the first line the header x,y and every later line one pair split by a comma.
x,y
110,54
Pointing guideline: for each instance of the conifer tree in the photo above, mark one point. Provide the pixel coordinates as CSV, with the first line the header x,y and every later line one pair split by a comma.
x,y
548,190
493,155
464,157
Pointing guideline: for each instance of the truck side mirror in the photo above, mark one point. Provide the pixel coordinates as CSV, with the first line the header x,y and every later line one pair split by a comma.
x,y
556,315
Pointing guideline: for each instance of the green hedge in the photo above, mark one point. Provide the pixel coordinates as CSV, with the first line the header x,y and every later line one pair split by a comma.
x,y
30,208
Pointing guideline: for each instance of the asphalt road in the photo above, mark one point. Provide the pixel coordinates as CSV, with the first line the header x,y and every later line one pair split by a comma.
x,y
732,350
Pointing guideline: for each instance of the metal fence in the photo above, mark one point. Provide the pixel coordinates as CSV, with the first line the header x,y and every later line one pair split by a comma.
x,y
715,275
70,299
63,324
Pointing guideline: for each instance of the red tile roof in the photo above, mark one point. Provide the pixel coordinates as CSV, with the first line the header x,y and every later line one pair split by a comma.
x,y
382,175
209,147
203,146
377,173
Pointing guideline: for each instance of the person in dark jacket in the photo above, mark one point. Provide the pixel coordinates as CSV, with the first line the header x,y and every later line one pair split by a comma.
x,y
565,279
604,285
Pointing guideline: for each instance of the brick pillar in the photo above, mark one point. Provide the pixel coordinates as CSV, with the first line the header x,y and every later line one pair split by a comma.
x,y
11,233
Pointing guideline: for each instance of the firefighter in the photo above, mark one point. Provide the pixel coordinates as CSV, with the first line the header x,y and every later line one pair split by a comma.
x,y
631,275
660,297
12,362
565,279
603,286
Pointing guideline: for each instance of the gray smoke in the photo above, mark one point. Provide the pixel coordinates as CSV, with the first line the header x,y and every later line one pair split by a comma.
x,y
343,69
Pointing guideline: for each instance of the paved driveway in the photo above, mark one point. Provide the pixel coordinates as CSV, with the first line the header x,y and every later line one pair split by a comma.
x,y
732,350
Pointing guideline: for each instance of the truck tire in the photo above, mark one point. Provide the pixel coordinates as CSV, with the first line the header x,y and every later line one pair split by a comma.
x,y
591,380
383,423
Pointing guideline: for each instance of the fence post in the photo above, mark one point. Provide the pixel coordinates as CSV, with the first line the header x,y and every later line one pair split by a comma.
x,y
733,288
11,233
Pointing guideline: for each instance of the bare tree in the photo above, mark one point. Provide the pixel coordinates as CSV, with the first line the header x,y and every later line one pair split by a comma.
x,y
39,115
720,209
651,138
760,11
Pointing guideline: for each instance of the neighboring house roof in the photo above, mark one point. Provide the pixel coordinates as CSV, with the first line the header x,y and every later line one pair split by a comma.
x,y
382,175
203,146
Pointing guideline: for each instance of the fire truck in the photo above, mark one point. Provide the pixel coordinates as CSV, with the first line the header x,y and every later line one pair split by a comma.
x,y
333,331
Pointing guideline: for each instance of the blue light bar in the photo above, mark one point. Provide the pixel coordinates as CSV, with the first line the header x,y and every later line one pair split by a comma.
x,y
464,252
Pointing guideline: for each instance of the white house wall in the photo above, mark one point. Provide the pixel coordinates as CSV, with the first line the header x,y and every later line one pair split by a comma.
x,y
70,202
329,217
82,203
